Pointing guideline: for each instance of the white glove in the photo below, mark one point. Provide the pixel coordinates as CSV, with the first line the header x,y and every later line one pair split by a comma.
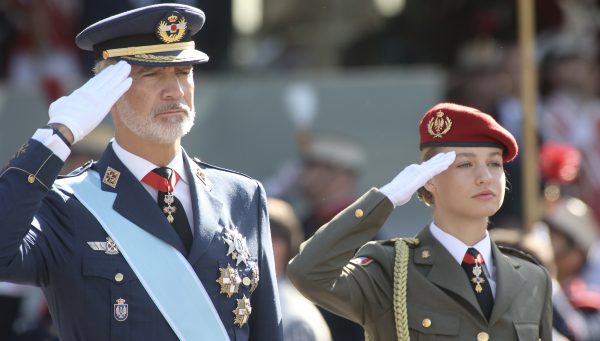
x,y
413,177
87,106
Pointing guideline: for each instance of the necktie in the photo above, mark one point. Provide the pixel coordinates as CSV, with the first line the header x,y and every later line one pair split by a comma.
x,y
473,264
164,180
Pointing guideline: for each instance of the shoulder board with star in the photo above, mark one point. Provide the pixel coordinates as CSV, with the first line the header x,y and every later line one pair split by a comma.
x,y
78,171
519,254
207,165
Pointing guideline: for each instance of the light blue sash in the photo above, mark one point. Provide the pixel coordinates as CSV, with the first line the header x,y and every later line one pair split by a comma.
x,y
184,303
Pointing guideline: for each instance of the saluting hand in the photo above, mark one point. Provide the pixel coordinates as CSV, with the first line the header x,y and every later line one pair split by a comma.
x,y
86,107
413,177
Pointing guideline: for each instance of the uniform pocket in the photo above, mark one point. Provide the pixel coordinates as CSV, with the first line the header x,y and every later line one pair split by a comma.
x,y
116,292
527,331
428,322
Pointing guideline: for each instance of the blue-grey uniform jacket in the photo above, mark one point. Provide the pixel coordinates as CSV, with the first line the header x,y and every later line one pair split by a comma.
x,y
47,238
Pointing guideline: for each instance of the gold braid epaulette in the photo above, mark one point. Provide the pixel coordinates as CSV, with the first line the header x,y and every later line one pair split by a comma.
x,y
401,247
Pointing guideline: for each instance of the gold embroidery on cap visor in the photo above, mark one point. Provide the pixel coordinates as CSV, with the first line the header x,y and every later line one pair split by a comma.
x,y
439,125
145,50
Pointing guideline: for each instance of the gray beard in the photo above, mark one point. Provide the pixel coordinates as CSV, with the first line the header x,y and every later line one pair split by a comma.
x,y
162,130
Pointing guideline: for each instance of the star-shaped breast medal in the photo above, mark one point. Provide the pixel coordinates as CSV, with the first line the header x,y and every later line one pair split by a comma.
x,y
238,249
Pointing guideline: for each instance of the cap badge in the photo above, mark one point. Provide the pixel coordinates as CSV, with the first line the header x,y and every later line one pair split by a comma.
x,y
439,125
242,311
171,28
229,280
121,310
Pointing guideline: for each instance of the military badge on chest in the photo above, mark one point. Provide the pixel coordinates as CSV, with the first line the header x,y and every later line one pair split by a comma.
x,y
242,311
121,310
238,249
109,246
231,279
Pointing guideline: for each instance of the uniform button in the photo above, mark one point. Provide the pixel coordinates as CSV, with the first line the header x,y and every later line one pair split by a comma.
x,y
359,213
483,336
246,281
31,179
426,323
118,277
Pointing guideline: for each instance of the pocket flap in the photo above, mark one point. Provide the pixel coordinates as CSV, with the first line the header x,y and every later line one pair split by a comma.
x,y
527,331
432,321
108,269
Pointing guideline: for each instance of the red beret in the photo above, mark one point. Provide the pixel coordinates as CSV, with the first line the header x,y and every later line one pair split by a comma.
x,y
453,125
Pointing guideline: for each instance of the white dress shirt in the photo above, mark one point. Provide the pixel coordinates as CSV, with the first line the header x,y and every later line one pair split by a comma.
x,y
139,167
458,249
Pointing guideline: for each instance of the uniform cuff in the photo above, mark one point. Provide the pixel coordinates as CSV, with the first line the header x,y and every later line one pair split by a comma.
x,y
53,142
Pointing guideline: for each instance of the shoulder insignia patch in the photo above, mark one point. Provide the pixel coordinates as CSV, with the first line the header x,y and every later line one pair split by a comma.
x,y
362,260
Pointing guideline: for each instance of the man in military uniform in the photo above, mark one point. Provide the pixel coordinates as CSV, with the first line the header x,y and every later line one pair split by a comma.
x,y
452,281
146,243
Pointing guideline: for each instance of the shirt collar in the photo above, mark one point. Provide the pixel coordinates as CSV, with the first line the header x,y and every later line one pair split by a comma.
x,y
139,167
458,249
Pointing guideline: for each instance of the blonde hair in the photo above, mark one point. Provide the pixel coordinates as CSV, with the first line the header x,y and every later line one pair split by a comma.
x,y
423,194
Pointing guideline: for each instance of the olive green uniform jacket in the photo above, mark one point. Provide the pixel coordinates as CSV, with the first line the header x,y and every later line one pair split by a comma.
x,y
440,301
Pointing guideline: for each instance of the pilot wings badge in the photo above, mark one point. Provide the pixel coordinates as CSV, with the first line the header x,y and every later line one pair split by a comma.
x,y
109,246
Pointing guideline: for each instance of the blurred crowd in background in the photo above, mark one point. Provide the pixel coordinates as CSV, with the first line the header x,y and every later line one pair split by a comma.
x,y
475,42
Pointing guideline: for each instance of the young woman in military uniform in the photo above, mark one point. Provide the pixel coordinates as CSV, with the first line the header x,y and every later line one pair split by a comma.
x,y
451,282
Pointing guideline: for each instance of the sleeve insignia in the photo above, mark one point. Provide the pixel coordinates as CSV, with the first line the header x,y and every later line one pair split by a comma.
x,y
362,260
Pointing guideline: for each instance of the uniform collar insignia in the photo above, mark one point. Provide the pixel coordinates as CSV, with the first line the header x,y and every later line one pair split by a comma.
x,y
111,177
203,178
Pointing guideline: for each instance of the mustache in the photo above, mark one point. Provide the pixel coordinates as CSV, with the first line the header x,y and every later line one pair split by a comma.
x,y
179,105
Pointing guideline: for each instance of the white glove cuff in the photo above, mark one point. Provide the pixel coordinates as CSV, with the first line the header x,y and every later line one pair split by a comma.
x,y
389,192
53,142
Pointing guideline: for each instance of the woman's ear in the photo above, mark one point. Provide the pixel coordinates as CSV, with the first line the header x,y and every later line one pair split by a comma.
x,y
429,185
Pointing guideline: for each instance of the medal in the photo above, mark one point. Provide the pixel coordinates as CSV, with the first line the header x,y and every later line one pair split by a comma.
x,y
477,280
242,311
169,210
238,249
229,281
255,277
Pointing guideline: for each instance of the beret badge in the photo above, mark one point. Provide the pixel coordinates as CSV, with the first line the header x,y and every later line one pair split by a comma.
x,y
439,125
172,28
